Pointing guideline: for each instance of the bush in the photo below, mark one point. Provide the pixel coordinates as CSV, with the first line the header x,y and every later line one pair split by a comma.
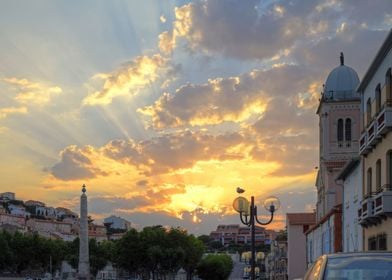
x,y
215,267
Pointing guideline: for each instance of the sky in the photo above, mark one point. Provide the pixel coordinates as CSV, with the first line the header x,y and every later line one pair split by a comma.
x,y
163,108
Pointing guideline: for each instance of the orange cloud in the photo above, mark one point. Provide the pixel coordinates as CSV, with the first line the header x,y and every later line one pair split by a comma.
x,y
5,112
32,93
128,80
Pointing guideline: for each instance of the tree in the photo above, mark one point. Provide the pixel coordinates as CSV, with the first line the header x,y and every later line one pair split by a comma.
x,y
194,250
128,250
215,267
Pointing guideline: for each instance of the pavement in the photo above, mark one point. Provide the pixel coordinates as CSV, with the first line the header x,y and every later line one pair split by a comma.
x,y
238,268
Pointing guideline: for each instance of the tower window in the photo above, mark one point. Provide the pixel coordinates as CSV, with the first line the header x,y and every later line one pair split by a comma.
x,y
348,130
340,130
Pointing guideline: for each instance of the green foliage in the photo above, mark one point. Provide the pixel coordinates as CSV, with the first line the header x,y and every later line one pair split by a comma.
x,y
155,250
24,251
282,235
215,267
158,251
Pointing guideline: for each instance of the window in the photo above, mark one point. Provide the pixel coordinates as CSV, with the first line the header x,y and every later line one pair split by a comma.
x,y
372,243
369,181
340,130
378,98
368,111
378,174
389,168
382,242
388,84
348,130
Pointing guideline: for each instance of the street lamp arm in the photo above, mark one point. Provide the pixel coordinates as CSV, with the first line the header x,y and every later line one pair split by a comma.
x,y
245,222
265,223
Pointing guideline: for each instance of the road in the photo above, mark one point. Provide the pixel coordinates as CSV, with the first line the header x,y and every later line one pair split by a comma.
x,y
238,268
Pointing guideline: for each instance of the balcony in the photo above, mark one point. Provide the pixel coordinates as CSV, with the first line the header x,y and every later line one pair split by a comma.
x,y
360,215
378,124
367,211
384,121
371,133
364,148
383,201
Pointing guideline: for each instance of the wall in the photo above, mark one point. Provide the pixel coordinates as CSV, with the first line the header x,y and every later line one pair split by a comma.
x,y
296,251
352,231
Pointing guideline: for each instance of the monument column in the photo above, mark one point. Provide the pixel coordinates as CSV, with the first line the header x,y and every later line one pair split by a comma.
x,y
84,263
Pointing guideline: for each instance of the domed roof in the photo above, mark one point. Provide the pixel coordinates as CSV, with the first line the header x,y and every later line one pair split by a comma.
x,y
341,82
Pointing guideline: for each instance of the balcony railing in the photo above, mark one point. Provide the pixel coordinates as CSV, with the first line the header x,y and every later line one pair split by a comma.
x,y
378,123
366,211
383,201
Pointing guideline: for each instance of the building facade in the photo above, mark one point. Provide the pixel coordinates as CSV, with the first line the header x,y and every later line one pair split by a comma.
x,y
375,149
297,225
351,180
47,226
276,261
115,222
234,234
19,221
7,196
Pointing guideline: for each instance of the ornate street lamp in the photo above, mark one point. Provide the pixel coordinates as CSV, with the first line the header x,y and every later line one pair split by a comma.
x,y
248,216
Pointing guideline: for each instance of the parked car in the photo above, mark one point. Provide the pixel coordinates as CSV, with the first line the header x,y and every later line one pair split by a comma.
x,y
352,266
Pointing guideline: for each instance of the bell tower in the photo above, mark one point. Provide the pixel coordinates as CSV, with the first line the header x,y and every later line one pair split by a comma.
x,y
339,124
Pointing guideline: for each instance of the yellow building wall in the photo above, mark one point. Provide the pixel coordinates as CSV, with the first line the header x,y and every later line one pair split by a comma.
x,y
384,227
380,152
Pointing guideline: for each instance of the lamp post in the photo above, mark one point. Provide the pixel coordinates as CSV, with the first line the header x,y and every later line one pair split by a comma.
x,y
248,216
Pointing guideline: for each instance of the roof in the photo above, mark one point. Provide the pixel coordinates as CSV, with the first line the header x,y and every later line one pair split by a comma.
x,y
381,54
348,168
301,218
360,254
341,79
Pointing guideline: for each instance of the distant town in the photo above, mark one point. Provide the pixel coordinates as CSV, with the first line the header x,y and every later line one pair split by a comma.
x,y
33,216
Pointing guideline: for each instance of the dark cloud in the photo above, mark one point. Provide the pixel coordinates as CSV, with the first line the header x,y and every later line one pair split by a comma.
x,y
75,164
236,28
257,30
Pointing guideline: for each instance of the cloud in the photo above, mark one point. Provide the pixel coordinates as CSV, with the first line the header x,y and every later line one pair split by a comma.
x,y
149,198
166,42
32,93
5,112
234,99
129,80
175,151
237,28
256,30
24,95
76,164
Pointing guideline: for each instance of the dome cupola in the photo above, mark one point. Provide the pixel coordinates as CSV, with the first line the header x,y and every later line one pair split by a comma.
x,y
341,83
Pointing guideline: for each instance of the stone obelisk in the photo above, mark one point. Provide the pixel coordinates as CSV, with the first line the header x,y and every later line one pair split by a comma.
x,y
84,262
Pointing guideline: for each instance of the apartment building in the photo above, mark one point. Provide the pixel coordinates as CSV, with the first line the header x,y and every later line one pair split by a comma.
x,y
374,213
234,234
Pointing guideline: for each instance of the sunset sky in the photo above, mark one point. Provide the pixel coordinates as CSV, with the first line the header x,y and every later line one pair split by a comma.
x,y
162,108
